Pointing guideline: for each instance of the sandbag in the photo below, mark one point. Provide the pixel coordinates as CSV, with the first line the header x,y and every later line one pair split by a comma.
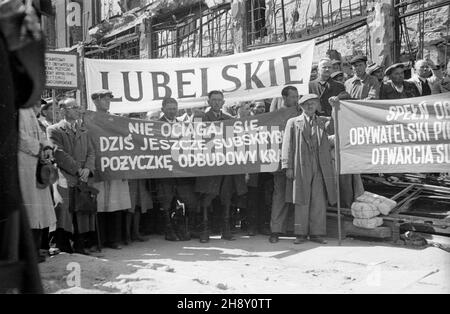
x,y
383,204
371,223
364,210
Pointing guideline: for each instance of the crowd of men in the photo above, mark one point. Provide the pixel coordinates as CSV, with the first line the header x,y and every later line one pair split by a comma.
x,y
185,208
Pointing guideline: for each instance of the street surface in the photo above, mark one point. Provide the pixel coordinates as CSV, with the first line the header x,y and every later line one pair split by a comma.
x,y
251,265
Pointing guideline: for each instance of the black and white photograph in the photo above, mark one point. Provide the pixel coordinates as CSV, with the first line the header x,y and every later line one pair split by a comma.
x,y
219,154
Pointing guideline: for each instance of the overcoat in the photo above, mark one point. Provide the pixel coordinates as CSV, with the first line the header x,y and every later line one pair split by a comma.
x,y
296,155
38,202
72,152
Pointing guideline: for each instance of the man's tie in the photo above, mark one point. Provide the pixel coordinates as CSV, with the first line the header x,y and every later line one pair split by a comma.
x,y
426,90
312,123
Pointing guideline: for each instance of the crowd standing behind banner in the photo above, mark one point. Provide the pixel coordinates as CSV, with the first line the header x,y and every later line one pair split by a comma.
x,y
186,207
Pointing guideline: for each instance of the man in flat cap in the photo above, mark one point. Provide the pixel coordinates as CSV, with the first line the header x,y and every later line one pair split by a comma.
x,y
307,160
114,196
396,87
377,71
338,76
361,85
325,87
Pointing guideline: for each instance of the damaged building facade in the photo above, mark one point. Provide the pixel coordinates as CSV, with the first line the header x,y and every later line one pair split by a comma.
x,y
387,31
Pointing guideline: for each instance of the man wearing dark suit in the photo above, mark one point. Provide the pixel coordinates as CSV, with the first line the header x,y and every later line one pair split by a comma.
x,y
325,87
181,188
210,187
422,73
280,208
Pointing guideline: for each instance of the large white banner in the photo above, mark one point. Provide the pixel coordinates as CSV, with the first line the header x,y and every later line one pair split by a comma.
x,y
140,85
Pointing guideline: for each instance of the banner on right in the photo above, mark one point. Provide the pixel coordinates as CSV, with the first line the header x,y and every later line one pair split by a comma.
x,y
395,136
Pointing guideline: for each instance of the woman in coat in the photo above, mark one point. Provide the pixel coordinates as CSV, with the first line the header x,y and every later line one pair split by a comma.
x,y
396,87
37,201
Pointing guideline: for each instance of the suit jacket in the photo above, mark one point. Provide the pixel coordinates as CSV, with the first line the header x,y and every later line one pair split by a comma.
x,y
416,81
212,184
387,91
210,116
72,151
296,155
325,90
174,181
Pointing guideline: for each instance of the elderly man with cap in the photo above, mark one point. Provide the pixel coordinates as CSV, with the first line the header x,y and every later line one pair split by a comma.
x,y
114,196
307,160
377,71
325,87
361,85
396,87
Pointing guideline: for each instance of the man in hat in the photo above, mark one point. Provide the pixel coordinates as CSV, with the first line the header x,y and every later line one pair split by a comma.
x,y
422,73
338,76
114,196
325,87
45,116
396,87
361,85
377,71
307,161
75,158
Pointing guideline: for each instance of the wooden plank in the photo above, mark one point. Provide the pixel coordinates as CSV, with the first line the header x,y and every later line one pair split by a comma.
x,y
382,232
403,192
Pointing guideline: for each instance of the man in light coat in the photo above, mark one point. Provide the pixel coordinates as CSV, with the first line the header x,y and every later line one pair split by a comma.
x,y
307,160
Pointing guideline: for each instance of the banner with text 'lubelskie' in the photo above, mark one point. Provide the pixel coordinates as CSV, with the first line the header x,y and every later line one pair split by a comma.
x,y
140,85
395,136
136,149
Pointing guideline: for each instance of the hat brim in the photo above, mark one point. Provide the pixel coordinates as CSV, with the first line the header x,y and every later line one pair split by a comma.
x,y
301,103
392,68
